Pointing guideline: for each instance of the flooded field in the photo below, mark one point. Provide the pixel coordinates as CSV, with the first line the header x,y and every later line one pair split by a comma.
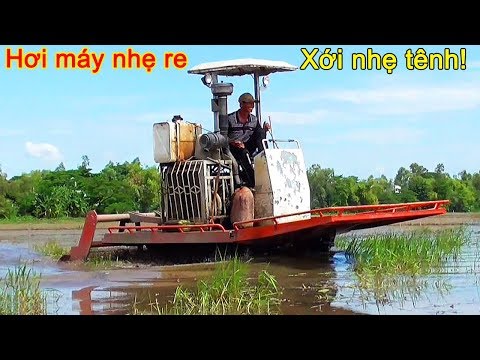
x,y
316,284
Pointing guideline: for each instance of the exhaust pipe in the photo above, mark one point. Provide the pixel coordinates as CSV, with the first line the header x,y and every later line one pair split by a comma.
x,y
219,139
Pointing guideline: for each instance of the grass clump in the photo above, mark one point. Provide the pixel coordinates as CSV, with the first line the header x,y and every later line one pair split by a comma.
x,y
20,293
97,260
416,252
110,259
229,291
52,249
101,261
399,266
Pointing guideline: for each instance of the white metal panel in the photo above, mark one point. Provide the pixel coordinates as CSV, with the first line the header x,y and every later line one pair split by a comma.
x,y
281,184
238,67
163,138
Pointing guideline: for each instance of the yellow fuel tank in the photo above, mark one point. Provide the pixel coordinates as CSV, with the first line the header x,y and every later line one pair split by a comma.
x,y
175,141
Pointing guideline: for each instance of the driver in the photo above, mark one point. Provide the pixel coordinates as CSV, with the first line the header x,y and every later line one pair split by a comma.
x,y
245,136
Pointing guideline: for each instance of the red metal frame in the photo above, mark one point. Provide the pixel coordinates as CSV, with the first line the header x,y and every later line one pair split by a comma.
x,y
342,221
174,228
352,210
321,222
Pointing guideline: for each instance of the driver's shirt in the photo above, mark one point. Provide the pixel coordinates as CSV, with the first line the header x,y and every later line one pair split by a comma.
x,y
241,132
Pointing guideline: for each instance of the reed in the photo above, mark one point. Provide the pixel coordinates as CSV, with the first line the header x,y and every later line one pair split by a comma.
x,y
20,293
51,249
401,267
229,291
416,252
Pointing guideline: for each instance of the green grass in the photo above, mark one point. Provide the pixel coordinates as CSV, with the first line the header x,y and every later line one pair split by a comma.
x,y
97,260
414,252
229,291
401,267
34,220
101,260
52,249
32,223
20,293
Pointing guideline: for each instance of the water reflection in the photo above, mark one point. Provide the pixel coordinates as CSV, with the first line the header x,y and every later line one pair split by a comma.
x,y
451,289
93,300
312,283
125,300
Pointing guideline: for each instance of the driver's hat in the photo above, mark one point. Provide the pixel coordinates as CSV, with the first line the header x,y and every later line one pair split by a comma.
x,y
247,97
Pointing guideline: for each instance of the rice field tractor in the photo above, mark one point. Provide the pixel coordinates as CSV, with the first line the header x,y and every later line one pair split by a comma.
x,y
204,202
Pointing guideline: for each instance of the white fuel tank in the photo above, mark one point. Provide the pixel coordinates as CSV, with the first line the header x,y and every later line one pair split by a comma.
x,y
281,184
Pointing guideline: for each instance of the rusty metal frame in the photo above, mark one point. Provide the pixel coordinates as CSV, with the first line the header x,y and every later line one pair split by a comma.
x,y
350,210
321,222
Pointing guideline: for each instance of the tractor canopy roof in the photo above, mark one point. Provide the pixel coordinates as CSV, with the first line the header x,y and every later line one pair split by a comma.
x,y
239,67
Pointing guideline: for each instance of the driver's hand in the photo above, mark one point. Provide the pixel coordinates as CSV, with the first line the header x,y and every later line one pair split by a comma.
x,y
238,144
266,126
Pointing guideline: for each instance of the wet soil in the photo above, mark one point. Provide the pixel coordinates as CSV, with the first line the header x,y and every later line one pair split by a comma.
x,y
312,283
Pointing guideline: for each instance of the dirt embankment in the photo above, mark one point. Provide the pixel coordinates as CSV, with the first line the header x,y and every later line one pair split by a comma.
x,y
69,225
449,219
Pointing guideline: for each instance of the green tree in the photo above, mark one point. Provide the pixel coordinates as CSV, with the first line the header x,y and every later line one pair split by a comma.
x,y
322,186
84,167
22,191
402,178
463,197
420,187
440,169
417,169
60,167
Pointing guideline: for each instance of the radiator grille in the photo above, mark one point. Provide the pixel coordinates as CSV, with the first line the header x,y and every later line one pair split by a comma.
x,y
188,189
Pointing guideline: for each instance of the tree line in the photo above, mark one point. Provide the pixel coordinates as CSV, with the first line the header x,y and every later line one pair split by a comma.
x,y
415,183
117,188
131,186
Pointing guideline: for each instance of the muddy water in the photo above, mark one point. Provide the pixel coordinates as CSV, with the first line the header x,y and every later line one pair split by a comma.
x,y
316,284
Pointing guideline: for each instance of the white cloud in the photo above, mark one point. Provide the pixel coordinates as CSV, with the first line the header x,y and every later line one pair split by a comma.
x,y
386,136
43,151
382,136
294,118
413,100
402,100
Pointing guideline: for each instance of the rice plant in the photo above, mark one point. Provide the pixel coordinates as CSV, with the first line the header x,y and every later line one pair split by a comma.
x,y
399,266
415,252
20,293
103,260
52,249
229,291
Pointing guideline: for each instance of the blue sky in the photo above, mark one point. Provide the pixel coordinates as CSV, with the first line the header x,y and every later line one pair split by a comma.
x,y
358,122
